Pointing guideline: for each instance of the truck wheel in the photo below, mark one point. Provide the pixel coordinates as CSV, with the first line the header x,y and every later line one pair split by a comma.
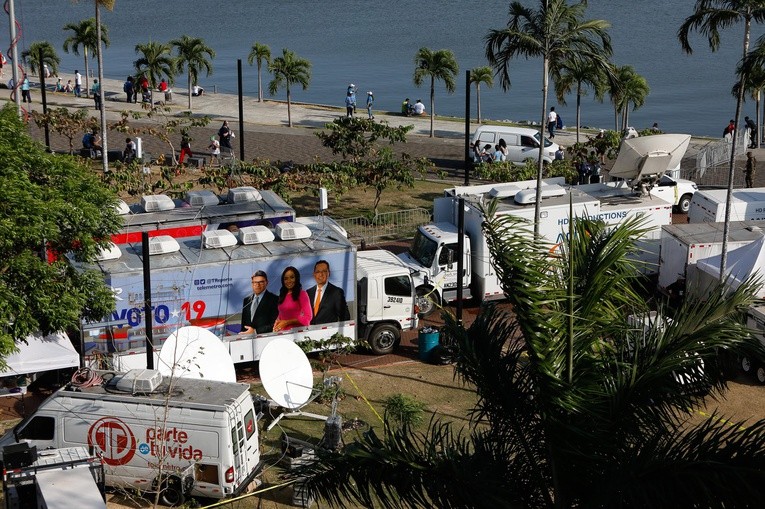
x,y
746,365
427,301
384,338
684,205
759,374
172,492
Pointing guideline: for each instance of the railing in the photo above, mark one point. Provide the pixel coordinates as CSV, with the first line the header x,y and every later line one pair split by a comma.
x,y
709,167
386,227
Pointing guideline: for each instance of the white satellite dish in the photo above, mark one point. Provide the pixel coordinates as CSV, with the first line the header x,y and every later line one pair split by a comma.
x,y
286,373
649,155
194,352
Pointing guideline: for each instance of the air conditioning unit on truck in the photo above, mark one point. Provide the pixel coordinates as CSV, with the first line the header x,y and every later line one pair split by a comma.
x,y
203,281
433,254
181,436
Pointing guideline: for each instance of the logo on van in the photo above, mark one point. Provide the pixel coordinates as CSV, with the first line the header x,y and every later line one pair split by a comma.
x,y
114,439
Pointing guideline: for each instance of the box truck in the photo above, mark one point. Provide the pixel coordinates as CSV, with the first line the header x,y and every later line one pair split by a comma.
x,y
708,206
202,280
178,436
433,252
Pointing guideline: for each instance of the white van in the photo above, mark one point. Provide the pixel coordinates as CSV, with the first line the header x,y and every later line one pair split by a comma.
x,y
522,142
204,433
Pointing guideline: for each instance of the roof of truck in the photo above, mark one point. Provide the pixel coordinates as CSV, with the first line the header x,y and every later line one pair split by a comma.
x,y
382,263
709,233
176,392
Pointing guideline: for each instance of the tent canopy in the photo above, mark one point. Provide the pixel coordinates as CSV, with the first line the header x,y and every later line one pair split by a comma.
x,y
741,264
39,354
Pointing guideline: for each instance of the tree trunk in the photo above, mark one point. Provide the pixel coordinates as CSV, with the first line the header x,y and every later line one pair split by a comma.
x,y
260,84
616,118
190,85
759,118
432,102
289,113
732,162
478,99
578,109
540,165
100,57
87,89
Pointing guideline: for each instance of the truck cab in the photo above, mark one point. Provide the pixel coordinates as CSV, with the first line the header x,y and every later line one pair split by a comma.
x,y
387,305
433,258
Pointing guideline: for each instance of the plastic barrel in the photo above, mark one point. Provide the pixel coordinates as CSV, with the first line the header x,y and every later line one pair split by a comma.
x,y
427,341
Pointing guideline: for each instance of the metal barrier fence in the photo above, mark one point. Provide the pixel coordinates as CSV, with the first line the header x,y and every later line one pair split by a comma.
x,y
386,227
709,166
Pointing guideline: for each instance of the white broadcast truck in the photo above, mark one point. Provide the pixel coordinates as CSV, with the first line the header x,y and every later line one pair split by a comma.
x,y
202,280
709,206
178,436
433,253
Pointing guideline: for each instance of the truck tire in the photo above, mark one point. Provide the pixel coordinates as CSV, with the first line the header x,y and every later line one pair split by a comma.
x,y
427,301
384,338
746,365
172,493
684,205
759,373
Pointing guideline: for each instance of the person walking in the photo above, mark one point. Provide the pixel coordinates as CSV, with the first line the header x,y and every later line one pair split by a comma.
x,y
370,103
751,167
224,134
552,122
214,148
128,88
95,89
26,96
77,83
349,105
752,128
185,148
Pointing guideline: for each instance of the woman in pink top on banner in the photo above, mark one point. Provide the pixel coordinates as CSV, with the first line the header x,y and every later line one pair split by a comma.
x,y
294,304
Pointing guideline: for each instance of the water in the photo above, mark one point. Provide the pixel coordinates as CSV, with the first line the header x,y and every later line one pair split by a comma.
x,y
372,44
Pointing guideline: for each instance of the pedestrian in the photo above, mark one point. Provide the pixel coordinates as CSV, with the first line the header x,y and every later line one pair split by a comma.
x,y
370,102
655,128
348,105
729,131
77,83
752,128
352,92
69,88
224,134
185,147
552,122
560,154
26,96
46,71
95,89
214,148
751,167
130,151
59,86
419,108
405,107
127,87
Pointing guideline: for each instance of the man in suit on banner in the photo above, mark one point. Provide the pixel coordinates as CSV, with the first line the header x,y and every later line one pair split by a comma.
x,y
259,310
328,301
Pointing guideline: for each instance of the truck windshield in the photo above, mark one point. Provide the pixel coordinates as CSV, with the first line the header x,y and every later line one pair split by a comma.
x,y
423,249
547,142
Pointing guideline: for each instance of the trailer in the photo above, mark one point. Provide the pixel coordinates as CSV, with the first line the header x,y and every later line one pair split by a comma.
x,y
202,280
708,206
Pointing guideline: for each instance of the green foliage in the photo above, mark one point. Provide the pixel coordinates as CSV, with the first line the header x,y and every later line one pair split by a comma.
x,y
195,56
49,56
403,410
70,124
507,171
52,206
357,138
259,53
288,70
438,65
156,62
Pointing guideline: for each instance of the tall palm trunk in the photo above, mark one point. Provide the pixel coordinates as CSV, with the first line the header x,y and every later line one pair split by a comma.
x,y
260,83
87,88
478,100
188,75
758,119
578,109
732,162
540,166
432,103
289,104
99,55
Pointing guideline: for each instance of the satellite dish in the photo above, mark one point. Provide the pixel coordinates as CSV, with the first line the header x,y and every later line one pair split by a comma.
x,y
286,373
649,155
194,352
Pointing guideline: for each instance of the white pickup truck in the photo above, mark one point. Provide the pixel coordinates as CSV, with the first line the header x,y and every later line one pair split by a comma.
x,y
683,191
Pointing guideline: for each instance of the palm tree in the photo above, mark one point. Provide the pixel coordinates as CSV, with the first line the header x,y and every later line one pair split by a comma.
x,y
708,17
436,65
579,74
156,63
626,88
259,53
194,54
288,70
554,32
480,75
577,407
85,36
49,56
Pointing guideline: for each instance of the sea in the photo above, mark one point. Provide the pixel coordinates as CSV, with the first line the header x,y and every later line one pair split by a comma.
x,y
372,44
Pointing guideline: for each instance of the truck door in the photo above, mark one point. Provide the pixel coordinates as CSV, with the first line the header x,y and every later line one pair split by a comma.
x,y
242,431
398,299
447,263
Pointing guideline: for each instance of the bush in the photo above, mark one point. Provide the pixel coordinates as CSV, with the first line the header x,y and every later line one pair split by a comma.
x,y
404,410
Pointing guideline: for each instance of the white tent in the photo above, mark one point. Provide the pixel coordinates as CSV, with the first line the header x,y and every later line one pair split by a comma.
x,y
649,155
39,354
741,264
